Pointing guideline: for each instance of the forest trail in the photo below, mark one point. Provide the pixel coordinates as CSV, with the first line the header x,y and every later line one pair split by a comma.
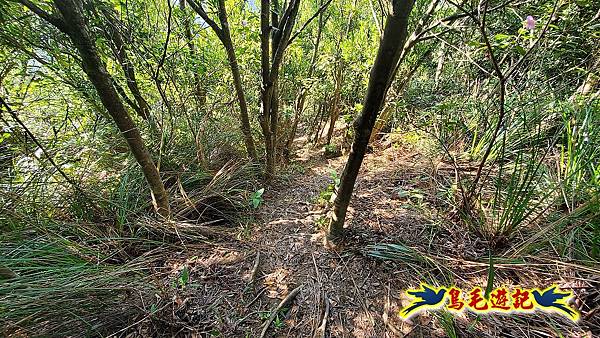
x,y
167,168
363,293
395,202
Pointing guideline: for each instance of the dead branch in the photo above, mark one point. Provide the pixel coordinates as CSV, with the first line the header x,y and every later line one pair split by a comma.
x,y
320,331
255,268
274,313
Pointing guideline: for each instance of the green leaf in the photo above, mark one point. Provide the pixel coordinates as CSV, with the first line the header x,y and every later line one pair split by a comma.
x,y
260,192
184,277
500,37
491,275
4,136
403,193
256,198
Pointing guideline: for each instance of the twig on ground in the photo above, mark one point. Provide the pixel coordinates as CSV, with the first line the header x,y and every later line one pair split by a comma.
x,y
320,331
257,297
283,303
254,271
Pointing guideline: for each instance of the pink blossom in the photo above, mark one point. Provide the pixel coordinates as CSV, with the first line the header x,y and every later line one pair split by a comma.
x,y
530,22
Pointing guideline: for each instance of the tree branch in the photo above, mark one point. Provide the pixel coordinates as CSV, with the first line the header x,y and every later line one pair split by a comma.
x,y
321,9
290,19
50,18
37,143
200,11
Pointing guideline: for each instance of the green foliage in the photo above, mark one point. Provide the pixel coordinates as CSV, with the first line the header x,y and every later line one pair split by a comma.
x,y
184,277
78,245
64,287
256,198
327,195
446,320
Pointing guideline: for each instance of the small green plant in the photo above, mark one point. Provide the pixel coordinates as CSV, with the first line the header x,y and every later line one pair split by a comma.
x,y
446,321
297,168
321,221
332,151
278,322
348,118
336,179
415,193
246,223
256,198
184,277
326,196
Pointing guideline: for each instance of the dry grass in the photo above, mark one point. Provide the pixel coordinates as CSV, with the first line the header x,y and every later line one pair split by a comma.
x,y
396,203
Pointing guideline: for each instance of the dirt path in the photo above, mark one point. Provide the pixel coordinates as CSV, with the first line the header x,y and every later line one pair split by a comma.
x,y
395,201
363,293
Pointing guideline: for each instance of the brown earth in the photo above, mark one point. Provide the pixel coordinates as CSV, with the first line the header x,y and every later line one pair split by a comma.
x,y
397,200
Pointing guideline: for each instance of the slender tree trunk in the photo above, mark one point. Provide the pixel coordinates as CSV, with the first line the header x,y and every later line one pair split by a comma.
x,y
224,35
73,24
298,109
382,120
270,65
440,64
120,52
301,99
200,91
338,76
323,108
390,47
268,90
244,116
266,87
237,82
335,106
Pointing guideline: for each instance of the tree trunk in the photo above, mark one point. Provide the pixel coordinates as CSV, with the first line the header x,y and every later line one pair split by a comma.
x,y
335,106
73,24
381,122
338,76
224,35
383,119
244,116
390,47
440,64
199,90
271,61
120,52
266,87
237,82
298,109
319,122
301,99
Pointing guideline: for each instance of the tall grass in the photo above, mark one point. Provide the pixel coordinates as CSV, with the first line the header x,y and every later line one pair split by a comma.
x,y
579,166
545,161
61,287
66,275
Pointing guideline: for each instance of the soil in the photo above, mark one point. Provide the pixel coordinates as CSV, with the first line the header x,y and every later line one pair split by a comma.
x,y
396,201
